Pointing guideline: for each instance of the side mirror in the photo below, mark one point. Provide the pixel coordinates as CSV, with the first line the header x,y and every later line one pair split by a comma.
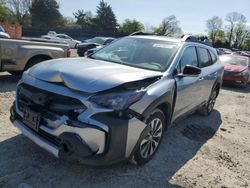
x,y
190,71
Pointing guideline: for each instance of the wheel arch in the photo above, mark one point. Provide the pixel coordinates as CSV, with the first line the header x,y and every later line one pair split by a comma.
x,y
164,103
217,87
41,56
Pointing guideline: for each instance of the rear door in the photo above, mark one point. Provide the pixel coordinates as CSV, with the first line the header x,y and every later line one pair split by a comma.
x,y
209,71
188,88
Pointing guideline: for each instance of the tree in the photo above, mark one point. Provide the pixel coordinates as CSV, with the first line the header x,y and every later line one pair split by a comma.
x,y
3,12
20,11
130,26
69,22
105,19
45,13
237,22
169,26
214,25
246,43
84,19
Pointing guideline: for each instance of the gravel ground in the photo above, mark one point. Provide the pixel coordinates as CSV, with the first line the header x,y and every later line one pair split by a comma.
x,y
198,151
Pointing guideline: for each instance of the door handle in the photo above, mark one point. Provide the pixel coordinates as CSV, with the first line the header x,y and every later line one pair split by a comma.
x,y
201,78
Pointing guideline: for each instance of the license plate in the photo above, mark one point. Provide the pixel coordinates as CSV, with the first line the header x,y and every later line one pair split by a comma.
x,y
31,119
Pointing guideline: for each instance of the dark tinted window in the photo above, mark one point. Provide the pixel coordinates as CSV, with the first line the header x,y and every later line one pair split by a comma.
x,y
189,57
204,57
213,56
108,41
1,29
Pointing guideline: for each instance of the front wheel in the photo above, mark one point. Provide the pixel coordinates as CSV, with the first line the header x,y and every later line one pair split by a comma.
x,y
151,142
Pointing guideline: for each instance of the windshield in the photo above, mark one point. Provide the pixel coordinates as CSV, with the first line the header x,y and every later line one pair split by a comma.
x,y
139,52
97,40
231,60
1,29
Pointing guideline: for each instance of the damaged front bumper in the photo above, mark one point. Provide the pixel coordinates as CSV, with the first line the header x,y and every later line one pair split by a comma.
x,y
96,138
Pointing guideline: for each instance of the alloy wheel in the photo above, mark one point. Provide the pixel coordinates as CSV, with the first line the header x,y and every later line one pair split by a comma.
x,y
151,142
211,102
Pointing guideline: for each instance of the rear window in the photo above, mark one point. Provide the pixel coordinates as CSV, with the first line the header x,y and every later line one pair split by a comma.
x,y
234,60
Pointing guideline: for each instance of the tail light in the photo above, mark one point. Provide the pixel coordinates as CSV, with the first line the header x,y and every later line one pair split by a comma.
x,y
68,53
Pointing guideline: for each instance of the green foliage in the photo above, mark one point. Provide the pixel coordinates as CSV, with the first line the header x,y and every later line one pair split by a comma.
x,y
19,11
214,25
169,27
84,19
105,19
130,26
236,28
45,13
3,13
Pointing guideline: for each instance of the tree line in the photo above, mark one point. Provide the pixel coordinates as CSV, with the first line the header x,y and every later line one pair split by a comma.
x,y
233,32
46,14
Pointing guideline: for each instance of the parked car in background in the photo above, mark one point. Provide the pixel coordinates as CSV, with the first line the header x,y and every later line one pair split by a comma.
x,y
116,105
93,50
222,51
17,56
95,42
236,69
61,37
242,53
3,34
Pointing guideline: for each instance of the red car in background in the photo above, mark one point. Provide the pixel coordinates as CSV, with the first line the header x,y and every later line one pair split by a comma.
x,y
236,69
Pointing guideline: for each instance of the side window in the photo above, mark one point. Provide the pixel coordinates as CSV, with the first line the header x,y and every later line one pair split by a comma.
x,y
108,41
61,36
189,57
204,57
213,56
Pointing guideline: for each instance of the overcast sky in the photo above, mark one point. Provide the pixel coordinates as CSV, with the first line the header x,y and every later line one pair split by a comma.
x,y
192,14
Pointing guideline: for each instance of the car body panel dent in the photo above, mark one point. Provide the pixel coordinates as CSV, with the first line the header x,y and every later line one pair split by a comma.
x,y
88,75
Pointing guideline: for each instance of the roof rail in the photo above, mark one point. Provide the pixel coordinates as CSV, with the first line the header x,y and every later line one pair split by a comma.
x,y
190,38
140,33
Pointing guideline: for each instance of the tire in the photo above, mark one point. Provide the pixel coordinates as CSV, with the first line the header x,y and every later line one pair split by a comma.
x,y
76,45
16,73
149,145
81,53
33,62
208,108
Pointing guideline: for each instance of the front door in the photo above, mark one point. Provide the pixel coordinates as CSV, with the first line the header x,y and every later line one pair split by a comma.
x,y
189,89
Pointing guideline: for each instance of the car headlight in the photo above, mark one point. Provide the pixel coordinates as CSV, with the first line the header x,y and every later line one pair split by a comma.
x,y
244,74
118,100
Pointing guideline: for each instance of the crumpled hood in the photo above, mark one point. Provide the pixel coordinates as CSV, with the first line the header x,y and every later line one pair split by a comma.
x,y
88,75
235,68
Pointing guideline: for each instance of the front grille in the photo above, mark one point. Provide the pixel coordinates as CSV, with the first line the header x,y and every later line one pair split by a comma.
x,y
47,102
230,73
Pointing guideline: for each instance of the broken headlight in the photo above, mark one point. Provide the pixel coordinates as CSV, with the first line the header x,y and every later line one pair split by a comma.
x,y
119,100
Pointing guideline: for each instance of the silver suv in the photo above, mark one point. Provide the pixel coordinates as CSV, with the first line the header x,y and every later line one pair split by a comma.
x,y
116,104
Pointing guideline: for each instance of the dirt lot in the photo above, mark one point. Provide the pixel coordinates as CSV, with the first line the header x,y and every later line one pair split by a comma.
x,y
199,151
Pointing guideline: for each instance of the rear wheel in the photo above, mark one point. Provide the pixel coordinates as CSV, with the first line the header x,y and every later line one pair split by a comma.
x,y
33,62
151,142
208,108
